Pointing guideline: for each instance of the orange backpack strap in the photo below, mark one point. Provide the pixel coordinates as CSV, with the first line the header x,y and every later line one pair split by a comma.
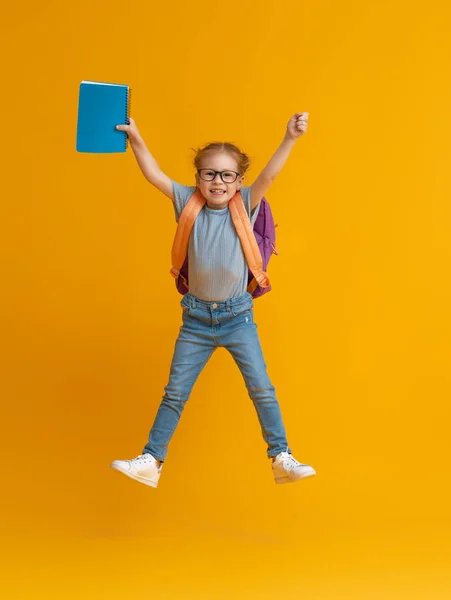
x,y
248,242
185,225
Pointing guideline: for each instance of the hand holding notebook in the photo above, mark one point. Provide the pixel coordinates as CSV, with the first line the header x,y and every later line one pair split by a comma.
x,y
101,106
131,130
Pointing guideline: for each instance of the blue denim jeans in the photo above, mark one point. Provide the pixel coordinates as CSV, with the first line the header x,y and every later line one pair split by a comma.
x,y
207,326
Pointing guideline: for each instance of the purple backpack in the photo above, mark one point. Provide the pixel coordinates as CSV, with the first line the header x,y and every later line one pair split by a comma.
x,y
265,234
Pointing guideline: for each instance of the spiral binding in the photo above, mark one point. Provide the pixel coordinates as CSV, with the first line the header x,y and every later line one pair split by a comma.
x,y
127,113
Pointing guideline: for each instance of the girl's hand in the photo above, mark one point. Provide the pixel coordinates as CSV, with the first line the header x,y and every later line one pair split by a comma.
x,y
131,130
297,125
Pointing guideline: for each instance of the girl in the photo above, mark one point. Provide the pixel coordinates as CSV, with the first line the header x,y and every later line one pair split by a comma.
x,y
218,310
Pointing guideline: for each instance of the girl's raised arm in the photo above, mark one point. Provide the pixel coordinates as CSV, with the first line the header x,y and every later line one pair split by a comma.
x,y
296,127
146,161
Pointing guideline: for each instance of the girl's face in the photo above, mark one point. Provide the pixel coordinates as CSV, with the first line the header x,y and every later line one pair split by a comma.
x,y
226,191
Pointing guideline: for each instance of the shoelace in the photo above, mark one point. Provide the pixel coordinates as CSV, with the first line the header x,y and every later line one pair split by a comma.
x,y
290,462
143,458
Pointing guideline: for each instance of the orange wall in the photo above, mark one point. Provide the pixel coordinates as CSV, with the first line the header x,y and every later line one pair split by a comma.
x,y
356,331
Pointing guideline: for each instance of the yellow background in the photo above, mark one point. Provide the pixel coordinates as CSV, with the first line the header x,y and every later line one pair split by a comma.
x,y
356,331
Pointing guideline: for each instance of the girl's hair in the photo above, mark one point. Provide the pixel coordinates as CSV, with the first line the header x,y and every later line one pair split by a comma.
x,y
243,161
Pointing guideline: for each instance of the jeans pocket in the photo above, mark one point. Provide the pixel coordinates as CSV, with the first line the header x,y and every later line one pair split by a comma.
x,y
243,317
241,309
186,307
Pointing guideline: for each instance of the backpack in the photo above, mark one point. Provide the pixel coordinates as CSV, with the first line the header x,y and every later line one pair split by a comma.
x,y
258,243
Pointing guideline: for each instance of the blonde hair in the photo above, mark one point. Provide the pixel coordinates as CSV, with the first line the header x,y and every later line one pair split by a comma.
x,y
242,160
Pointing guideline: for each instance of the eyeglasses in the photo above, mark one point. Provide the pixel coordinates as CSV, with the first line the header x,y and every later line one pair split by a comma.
x,y
210,174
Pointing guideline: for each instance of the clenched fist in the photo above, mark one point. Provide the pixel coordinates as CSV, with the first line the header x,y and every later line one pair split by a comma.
x,y
297,125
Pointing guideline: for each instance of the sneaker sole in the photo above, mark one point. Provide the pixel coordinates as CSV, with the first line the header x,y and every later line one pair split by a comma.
x,y
135,477
280,480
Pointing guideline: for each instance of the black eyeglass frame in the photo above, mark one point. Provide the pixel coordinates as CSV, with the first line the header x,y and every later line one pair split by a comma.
x,y
220,174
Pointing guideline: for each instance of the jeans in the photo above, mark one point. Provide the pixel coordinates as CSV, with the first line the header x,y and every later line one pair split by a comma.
x,y
207,326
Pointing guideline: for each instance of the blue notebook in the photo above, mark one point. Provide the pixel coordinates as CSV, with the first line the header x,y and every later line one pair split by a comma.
x,y
102,106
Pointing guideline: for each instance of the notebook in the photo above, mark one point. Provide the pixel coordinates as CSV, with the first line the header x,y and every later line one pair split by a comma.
x,y
102,106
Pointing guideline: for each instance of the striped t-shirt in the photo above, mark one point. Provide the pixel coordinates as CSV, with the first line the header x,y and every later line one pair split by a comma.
x,y
217,266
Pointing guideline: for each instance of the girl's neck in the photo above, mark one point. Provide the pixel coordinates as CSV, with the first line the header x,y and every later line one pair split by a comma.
x,y
217,207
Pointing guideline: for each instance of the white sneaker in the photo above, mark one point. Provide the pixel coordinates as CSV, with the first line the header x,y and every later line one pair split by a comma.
x,y
287,469
143,468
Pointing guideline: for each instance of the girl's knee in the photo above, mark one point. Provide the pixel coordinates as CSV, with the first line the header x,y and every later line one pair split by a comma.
x,y
174,396
263,393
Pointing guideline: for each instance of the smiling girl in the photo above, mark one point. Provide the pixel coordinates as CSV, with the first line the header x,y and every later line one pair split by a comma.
x,y
217,312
